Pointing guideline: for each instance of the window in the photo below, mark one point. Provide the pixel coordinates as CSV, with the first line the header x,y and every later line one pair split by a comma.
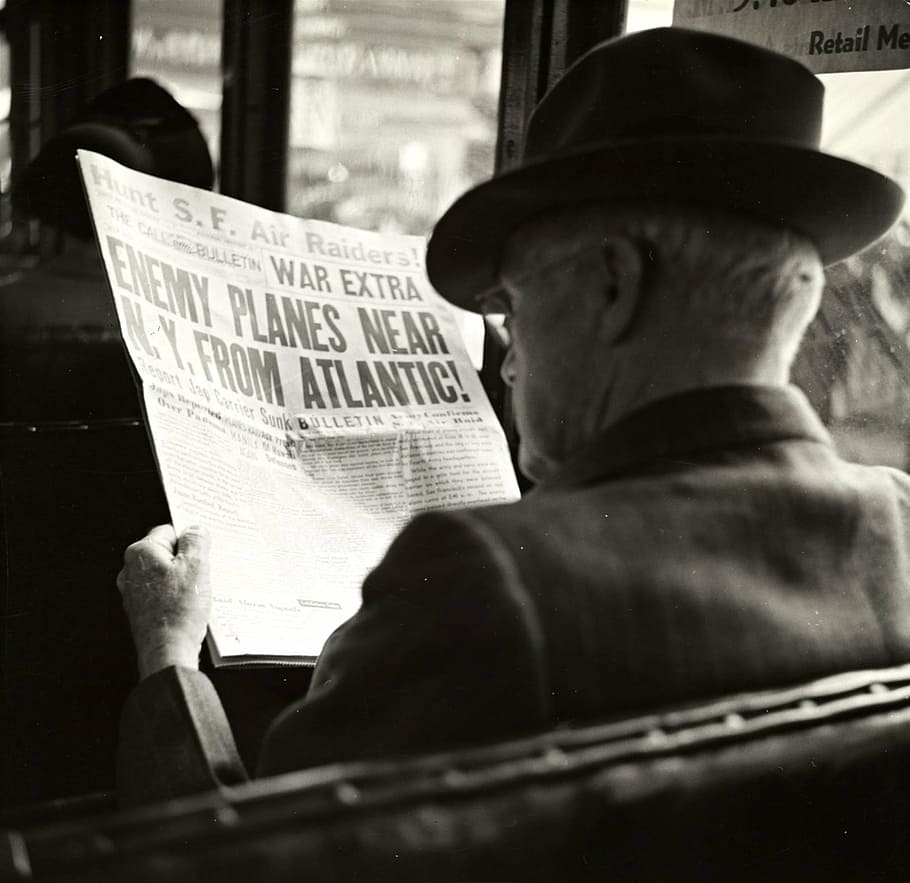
x,y
393,112
5,147
855,363
393,108
644,14
177,43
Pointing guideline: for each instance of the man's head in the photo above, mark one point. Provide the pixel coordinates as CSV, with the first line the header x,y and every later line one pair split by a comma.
x,y
614,306
665,228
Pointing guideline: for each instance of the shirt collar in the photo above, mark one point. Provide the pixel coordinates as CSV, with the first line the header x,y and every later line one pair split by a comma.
x,y
697,420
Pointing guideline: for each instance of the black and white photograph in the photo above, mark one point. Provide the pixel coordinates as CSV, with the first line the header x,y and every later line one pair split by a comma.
x,y
454,441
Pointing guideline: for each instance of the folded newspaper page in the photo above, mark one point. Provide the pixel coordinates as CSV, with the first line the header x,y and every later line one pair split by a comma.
x,y
306,393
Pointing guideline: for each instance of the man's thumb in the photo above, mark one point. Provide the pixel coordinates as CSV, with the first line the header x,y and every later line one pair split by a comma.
x,y
193,543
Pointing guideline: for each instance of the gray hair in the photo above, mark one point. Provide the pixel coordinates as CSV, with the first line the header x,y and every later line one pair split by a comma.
x,y
733,273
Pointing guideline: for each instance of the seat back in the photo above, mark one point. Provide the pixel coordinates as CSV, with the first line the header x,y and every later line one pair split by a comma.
x,y
77,484
810,783
73,496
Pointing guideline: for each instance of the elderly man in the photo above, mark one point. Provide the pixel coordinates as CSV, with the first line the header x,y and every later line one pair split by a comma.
x,y
692,532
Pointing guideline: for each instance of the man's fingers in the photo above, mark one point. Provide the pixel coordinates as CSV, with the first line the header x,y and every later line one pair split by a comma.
x,y
193,543
163,535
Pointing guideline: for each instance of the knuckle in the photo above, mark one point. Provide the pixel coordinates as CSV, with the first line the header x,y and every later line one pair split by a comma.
x,y
133,550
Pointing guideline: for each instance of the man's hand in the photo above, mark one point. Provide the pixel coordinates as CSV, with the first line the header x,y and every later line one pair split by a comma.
x,y
166,594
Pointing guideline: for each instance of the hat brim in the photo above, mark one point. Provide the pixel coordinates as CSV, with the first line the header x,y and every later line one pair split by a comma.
x,y
839,205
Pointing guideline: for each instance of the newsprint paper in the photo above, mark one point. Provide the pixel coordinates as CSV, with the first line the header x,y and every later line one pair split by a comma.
x,y
306,392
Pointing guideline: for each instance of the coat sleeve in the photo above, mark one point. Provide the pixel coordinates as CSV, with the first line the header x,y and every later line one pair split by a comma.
x,y
446,650
174,739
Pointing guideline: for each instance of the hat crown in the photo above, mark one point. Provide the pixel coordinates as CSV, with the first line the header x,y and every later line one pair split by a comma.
x,y
670,117
673,82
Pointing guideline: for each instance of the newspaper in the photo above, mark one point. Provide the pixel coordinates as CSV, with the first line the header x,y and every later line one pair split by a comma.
x,y
306,392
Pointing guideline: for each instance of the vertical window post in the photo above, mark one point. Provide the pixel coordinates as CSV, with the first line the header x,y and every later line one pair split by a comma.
x,y
541,38
63,54
256,65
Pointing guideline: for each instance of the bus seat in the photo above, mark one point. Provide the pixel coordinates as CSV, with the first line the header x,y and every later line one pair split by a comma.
x,y
73,495
805,783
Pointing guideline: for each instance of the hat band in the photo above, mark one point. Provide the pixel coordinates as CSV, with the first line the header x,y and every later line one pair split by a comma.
x,y
665,129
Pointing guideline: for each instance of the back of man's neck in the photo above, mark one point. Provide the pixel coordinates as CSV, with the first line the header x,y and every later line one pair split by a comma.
x,y
647,381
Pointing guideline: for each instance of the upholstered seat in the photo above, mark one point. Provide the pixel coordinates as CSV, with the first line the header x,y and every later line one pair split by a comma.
x,y
806,783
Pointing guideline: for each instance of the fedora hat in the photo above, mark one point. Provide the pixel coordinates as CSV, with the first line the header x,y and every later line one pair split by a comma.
x,y
137,123
670,116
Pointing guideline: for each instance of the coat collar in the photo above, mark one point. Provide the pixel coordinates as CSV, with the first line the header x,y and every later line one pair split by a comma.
x,y
698,420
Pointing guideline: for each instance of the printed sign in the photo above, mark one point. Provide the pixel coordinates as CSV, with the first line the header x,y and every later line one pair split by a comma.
x,y
827,36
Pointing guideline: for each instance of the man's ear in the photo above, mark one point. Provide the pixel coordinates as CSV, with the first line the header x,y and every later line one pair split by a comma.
x,y
621,284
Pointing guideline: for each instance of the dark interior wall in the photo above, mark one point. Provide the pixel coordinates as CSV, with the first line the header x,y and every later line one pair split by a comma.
x,y
77,484
71,498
